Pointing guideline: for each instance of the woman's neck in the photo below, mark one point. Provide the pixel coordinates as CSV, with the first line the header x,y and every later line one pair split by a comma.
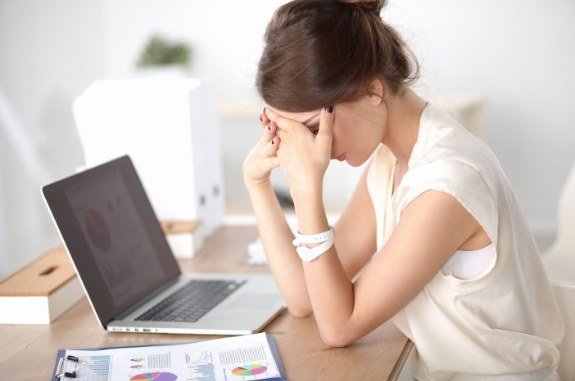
x,y
402,129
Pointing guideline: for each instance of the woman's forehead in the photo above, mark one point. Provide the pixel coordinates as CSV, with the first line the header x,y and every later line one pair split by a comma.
x,y
299,116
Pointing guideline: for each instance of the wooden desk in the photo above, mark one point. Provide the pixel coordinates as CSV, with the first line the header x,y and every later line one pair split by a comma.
x,y
28,352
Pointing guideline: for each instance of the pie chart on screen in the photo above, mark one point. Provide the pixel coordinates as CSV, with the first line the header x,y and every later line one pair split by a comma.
x,y
98,230
155,376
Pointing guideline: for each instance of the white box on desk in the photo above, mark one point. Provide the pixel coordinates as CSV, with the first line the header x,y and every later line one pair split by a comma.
x,y
181,237
41,291
168,126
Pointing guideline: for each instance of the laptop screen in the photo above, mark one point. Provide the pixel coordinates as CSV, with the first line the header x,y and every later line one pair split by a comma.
x,y
112,234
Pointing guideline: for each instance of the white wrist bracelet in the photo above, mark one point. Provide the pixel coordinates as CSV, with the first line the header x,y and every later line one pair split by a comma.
x,y
313,238
308,254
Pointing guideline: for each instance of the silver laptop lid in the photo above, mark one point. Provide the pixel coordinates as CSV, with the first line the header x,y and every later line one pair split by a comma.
x,y
112,234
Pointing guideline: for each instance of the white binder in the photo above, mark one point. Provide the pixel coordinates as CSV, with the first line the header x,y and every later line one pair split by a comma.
x,y
169,128
215,184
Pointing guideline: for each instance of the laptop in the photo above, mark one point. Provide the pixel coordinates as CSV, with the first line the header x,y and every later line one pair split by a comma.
x,y
128,271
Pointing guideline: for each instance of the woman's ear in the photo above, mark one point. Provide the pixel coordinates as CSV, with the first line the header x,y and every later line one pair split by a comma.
x,y
375,91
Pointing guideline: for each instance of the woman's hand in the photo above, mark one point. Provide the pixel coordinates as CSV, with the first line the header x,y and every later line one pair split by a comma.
x,y
303,156
262,158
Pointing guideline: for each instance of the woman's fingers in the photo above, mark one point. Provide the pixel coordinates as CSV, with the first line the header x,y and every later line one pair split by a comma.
x,y
262,158
273,145
270,129
267,123
264,118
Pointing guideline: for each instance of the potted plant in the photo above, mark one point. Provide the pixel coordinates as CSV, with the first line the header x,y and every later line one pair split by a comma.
x,y
164,56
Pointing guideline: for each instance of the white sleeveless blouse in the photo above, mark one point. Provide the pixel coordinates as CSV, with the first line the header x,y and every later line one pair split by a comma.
x,y
499,323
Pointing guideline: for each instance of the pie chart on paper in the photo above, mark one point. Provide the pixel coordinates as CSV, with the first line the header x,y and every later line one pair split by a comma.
x,y
154,376
249,370
98,230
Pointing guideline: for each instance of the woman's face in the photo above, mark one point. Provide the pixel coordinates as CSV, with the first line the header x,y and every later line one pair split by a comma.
x,y
357,131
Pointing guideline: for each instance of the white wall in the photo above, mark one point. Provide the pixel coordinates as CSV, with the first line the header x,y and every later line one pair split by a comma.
x,y
227,36
49,51
518,55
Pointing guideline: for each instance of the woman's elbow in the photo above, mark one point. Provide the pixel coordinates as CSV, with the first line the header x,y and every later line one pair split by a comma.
x,y
299,312
335,339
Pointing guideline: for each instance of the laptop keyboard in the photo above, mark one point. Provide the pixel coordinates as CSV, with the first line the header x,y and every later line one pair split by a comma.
x,y
192,301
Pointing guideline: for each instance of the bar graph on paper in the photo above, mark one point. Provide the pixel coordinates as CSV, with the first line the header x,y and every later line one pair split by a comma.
x,y
200,366
94,368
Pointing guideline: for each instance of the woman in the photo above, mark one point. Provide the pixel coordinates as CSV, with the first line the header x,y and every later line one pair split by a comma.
x,y
433,237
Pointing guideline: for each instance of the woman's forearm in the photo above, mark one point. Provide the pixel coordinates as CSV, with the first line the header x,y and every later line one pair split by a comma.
x,y
276,237
329,287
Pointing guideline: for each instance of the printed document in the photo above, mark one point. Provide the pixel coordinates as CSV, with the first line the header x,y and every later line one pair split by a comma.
x,y
235,358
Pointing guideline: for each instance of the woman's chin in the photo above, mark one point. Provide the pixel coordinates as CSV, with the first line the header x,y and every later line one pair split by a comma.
x,y
355,161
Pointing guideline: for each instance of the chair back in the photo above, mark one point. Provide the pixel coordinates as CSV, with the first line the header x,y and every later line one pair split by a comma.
x,y
559,260
565,295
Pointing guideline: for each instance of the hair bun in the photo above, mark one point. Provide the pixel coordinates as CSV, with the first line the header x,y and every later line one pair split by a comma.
x,y
374,6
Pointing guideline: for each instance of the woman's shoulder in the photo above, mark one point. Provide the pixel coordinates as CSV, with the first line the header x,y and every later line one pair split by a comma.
x,y
448,173
444,146
443,137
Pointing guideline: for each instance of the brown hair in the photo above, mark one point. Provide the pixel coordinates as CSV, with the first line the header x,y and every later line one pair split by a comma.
x,y
324,52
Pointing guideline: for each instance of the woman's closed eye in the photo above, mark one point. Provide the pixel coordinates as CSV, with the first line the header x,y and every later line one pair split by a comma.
x,y
312,123
314,129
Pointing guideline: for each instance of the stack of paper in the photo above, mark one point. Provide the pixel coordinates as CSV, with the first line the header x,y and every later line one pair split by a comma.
x,y
256,254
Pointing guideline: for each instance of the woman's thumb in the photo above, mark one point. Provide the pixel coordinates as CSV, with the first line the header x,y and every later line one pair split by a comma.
x,y
326,120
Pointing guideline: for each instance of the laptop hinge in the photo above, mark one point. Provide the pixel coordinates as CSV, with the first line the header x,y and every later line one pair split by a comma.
x,y
145,299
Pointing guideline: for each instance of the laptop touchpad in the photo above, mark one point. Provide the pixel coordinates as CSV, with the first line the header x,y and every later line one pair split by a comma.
x,y
254,301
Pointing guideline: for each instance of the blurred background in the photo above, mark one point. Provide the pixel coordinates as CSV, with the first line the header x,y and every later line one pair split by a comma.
x,y
505,68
